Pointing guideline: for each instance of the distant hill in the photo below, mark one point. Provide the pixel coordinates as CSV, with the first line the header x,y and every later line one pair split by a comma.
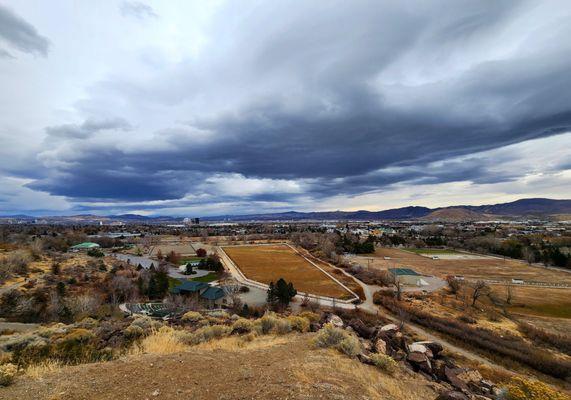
x,y
519,208
525,207
454,214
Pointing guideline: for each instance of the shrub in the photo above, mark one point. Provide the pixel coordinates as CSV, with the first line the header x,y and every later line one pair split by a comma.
x,y
524,389
283,326
146,323
298,324
134,332
268,322
329,336
540,336
209,333
384,363
243,325
350,346
164,340
7,374
192,316
219,314
310,316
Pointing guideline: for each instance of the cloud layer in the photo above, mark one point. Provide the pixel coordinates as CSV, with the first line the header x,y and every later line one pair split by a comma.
x,y
289,106
17,33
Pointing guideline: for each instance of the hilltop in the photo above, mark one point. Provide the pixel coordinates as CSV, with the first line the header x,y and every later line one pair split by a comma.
x,y
266,368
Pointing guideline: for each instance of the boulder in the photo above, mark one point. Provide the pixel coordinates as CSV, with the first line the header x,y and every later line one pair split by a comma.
x,y
335,320
434,347
366,344
452,395
420,361
389,327
362,330
451,375
470,376
381,346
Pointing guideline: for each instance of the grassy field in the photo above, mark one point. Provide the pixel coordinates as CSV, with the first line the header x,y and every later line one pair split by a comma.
x,y
269,263
478,268
532,301
431,251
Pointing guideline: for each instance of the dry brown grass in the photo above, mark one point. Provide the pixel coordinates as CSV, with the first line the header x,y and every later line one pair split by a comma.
x,y
328,367
243,343
271,262
38,371
162,341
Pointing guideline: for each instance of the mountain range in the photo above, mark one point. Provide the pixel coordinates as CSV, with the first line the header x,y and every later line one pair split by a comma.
x,y
537,207
531,208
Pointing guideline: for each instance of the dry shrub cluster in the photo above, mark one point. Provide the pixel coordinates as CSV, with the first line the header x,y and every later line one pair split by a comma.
x,y
541,336
524,389
337,338
384,362
509,346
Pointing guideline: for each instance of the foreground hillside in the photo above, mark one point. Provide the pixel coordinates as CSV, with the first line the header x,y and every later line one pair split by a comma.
x,y
266,368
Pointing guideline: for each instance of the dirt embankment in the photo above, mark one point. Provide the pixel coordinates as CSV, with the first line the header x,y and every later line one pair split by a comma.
x,y
273,368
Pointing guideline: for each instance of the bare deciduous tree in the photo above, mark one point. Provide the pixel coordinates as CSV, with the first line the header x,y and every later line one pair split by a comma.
x,y
480,288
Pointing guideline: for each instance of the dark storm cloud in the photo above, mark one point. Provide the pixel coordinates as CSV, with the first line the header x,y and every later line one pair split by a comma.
x,y
20,34
346,100
137,9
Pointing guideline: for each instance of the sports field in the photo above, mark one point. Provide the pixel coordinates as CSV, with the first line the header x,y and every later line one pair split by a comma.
x,y
268,263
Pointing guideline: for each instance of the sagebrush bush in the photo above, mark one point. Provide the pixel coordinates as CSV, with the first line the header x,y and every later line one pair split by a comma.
x,y
329,336
146,323
268,322
208,333
350,346
283,326
219,314
192,316
7,374
310,316
524,389
134,332
298,323
384,363
243,325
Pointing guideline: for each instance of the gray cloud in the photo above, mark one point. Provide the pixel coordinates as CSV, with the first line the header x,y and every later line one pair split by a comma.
x,y
20,34
87,128
137,9
344,99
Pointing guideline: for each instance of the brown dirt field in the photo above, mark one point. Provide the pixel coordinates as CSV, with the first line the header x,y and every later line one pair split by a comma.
x,y
268,263
485,268
288,369
346,280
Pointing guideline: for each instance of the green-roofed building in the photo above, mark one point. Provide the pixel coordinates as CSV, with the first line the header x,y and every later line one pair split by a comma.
x,y
203,293
85,246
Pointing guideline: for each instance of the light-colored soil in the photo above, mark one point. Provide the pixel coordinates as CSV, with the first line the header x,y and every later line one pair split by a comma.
x,y
284,368
268,263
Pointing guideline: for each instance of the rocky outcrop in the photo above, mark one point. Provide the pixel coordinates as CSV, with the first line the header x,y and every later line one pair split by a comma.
x,y
425,358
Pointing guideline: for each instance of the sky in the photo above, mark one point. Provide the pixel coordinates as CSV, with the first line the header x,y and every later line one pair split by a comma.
x,y
196,108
